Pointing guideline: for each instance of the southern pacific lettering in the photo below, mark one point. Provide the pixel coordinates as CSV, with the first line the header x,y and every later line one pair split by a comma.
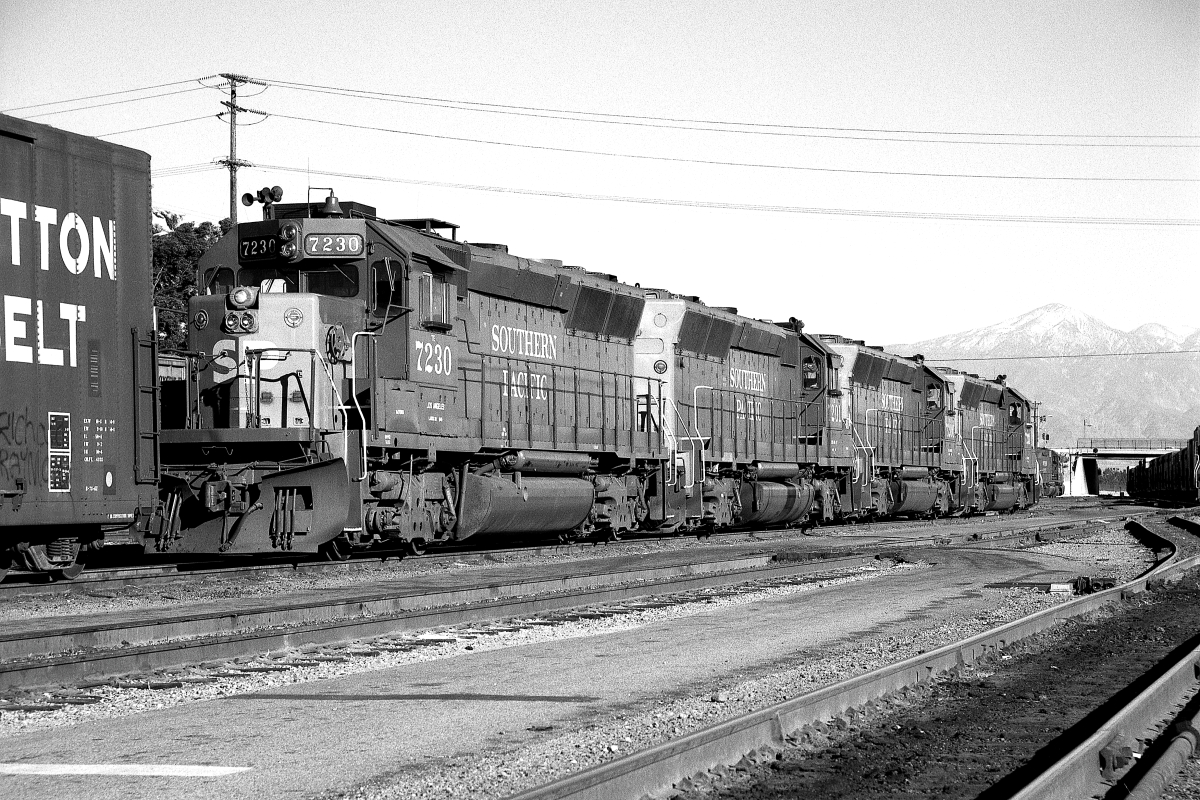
x,y
747,380
524,343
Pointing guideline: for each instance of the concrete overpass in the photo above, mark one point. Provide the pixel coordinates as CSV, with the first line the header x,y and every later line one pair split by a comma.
x,y
1083,476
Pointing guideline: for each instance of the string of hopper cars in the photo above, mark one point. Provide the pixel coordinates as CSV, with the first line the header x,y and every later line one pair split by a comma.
x,y
1173,477
351,381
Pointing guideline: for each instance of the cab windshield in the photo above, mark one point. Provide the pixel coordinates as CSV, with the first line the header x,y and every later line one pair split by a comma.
x,y
335,280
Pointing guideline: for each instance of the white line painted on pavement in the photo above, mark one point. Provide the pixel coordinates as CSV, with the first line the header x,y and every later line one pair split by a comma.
x,y
140,770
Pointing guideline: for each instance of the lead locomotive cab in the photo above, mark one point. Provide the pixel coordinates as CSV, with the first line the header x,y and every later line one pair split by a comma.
x,y
290,346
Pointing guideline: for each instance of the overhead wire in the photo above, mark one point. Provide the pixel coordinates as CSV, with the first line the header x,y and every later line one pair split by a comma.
x,y
160,125
115,102
713,162
184,169
677,123
748,206
105,94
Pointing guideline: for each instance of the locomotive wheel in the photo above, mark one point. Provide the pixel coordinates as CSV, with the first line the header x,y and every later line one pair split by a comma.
x,y
415,547
68,573
338,549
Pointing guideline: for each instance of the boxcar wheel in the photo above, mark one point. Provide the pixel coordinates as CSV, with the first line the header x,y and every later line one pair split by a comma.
x,y
415,547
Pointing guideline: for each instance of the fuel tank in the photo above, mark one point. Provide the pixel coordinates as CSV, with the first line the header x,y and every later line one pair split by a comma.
x,y
770,503
499,504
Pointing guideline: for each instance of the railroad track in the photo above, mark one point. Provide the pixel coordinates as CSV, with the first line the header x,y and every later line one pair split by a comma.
x,y
61,651
1088,759
109,579
144,642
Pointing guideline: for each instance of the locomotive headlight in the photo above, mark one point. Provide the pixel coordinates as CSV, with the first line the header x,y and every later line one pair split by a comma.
x,y
660,366
249,323
287,249
287,233
242,297
232,322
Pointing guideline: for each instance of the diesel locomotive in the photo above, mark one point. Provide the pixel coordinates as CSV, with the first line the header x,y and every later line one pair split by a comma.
x,y
352,380
356,380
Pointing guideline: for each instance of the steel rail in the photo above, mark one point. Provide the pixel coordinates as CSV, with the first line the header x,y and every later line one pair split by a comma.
x,y
726,742
104,650
1095,764
170,573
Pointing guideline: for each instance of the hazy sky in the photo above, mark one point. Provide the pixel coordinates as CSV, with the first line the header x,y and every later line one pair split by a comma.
x,y
1090,74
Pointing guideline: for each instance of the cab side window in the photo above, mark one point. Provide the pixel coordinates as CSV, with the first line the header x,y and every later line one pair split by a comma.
x,y
933,396
810,373
437,301
382,279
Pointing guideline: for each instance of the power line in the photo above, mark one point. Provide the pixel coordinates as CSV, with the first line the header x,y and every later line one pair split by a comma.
x,y
106,94
160,125
184,169
748,206
676,123
1067,355
711,162
116,102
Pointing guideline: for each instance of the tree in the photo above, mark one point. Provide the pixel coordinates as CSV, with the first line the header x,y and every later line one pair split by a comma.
x,y
177,248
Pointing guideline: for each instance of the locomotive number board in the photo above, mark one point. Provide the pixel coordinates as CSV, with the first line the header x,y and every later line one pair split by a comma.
x,y
333,244
258,247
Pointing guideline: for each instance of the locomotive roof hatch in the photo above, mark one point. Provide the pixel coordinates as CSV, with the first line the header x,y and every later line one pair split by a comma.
x,y
407,239
430,226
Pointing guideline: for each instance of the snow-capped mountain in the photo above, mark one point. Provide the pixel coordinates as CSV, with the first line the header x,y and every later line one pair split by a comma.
x,y
1120,396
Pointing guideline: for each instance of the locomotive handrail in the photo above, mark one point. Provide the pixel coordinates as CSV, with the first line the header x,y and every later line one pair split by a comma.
x,y
340,405
651,439
694,439
255,355
778,412
196,361
696,418
868,453
354,395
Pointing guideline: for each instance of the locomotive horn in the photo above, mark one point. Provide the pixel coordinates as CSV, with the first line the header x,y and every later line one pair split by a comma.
x,y
247,199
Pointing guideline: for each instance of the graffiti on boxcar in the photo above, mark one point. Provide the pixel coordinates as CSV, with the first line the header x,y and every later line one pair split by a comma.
x,y
23,451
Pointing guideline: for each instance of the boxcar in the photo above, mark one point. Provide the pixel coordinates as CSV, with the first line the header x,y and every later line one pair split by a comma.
x,y
78,456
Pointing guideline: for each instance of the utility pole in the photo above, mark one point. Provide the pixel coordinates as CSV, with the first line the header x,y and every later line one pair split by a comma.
x,y
233,162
